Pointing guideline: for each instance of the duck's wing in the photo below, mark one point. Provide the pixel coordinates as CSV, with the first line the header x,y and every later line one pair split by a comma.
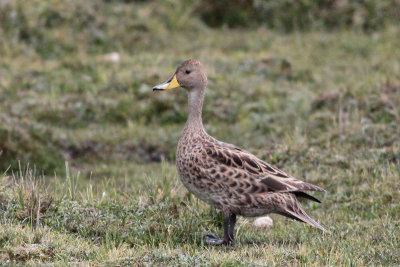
x,y
243,164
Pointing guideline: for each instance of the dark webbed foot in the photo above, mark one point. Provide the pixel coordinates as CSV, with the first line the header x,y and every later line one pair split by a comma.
x,y
214,240
229,225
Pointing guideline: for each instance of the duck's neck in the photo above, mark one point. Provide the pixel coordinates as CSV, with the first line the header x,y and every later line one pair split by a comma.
x,y
194,121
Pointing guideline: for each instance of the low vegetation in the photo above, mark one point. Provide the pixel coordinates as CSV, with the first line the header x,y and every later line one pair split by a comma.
x,y
87,150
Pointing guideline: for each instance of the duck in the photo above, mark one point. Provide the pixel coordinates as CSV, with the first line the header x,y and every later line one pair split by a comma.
x,y
225,176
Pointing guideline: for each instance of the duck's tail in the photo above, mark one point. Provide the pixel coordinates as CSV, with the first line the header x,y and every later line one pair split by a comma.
x,y
293,210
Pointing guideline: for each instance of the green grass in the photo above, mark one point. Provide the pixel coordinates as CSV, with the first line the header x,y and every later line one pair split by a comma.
x,y
324,106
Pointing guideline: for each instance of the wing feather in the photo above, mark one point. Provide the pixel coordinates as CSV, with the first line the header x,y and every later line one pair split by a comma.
x,y
271,177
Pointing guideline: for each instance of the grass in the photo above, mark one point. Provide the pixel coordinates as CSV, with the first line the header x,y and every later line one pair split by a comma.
x,y
87,150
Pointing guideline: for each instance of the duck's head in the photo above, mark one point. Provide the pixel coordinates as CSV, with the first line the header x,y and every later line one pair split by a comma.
x,y
190,75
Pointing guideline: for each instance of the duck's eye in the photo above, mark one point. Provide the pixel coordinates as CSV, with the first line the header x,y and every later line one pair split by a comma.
x,y
187,71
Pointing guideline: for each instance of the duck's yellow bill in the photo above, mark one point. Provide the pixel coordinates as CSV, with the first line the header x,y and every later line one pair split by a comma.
x,y
171,83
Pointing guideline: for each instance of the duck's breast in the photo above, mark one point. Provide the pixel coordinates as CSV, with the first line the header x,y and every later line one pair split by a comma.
x,y
190,163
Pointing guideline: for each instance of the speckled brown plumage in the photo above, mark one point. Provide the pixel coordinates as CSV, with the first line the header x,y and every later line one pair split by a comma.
x,y
227,177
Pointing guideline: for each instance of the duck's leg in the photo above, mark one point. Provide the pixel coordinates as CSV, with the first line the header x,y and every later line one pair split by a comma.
x,y
229,225
232,223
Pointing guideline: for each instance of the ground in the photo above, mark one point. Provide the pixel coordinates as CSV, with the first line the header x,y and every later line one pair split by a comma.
x,y
96,182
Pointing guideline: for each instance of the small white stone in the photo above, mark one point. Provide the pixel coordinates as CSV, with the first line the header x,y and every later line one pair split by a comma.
x,y
263,222
112,57
144,89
